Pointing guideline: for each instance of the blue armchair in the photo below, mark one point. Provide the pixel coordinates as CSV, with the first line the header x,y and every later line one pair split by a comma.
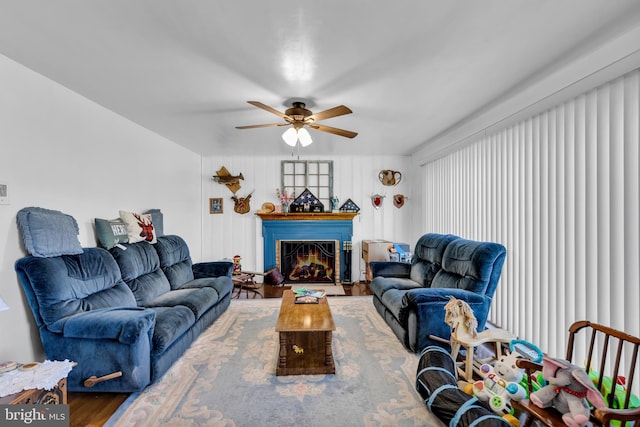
x,y
411,297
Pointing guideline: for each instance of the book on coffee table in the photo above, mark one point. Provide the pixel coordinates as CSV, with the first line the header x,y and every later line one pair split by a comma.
x,y
306,299
308,296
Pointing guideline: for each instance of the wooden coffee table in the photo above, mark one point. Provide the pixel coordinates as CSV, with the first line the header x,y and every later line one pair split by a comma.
x,y
306,331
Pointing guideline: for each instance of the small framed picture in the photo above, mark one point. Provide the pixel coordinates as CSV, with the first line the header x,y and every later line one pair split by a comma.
x,y
215,205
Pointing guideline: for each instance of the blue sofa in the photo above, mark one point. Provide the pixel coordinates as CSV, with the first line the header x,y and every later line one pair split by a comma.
x,y
133,309
411,297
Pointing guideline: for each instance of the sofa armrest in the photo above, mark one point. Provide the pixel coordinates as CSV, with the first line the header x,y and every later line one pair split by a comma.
x,y
124,324
390,269
415,297
202,270
425,314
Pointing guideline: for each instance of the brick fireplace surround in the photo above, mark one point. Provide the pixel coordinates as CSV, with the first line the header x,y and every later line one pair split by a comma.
x,y
304,226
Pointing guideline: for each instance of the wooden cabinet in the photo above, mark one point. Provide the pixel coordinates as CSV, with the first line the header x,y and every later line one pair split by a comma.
x,y
374,250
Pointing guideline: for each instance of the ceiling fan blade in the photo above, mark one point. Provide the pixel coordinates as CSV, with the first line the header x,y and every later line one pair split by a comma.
x,y
267,108
262,126
336,131
340,110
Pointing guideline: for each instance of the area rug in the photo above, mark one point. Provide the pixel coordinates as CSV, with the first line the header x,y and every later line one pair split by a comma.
x,y
227,377
328,289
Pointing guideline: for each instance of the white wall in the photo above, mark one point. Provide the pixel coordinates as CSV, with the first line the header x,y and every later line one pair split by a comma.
x,y
355,178
61,151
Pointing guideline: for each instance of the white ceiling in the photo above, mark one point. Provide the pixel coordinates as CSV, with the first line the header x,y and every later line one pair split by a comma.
x,y
408,69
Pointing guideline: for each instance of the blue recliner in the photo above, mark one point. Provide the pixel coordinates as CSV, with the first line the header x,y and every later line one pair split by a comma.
x,y
411,297
113,312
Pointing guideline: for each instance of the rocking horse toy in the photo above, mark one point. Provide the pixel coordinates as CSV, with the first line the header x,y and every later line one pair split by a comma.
x,y
463,324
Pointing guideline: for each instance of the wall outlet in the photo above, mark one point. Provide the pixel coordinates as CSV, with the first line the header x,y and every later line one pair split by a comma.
x,y
4,194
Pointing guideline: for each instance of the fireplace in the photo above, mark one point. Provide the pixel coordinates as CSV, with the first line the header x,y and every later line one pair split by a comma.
x,y
318,227
309,261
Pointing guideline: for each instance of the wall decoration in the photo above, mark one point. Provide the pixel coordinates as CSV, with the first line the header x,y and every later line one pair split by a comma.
x,y
389,177
314,175
242,204
349,206
306,202
216,205
377,199
398,200
223,176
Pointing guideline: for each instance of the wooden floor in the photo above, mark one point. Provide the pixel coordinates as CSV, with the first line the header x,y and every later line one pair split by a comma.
x,y
95,409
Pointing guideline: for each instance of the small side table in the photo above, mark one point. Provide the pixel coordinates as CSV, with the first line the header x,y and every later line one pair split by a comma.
x,y
246,281
39,396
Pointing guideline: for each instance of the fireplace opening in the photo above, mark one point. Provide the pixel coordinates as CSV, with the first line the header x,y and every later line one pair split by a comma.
x,y
306,261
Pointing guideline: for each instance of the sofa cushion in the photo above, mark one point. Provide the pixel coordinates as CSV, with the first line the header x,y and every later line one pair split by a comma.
x,y
380,285
63,286
427,258
111,232
220,284
141,271
171,324
175,260
430,247
139,226
468,264
422,272
390,291
125,324
198,300
48,233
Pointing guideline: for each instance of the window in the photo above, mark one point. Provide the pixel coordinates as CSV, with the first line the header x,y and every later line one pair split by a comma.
x,y
314,175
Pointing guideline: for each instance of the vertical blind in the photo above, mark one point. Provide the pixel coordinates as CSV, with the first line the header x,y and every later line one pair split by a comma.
x,y
561,191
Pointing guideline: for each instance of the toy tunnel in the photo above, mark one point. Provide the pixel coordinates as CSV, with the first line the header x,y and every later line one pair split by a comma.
x,y
436,382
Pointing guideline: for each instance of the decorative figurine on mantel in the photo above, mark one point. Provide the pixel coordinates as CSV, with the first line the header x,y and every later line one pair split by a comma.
x,y
349,206
285,198
307,202
334,204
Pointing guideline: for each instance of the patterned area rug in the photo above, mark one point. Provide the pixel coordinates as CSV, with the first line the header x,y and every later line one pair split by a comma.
x,y
227,377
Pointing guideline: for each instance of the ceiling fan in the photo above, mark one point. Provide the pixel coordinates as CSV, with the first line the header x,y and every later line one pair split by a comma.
x,y
299,117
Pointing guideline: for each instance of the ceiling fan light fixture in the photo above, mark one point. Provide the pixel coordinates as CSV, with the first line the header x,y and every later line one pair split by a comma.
x,y
304,137
290,137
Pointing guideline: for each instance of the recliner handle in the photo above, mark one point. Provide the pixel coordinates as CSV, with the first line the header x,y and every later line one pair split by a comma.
x,y
93,380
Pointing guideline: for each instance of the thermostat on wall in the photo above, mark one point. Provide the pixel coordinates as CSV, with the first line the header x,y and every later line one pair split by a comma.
x,y
4,194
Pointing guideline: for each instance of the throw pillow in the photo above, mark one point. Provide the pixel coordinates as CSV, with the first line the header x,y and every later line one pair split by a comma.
x,y
158,221
111,232
139,227
47,233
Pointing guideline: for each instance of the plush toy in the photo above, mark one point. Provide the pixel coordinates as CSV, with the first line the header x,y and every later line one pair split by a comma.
x,y
504,381
237,264
568,389
500,384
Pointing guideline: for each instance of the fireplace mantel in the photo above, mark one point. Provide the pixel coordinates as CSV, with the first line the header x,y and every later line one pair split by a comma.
x,y
307,216
304,226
